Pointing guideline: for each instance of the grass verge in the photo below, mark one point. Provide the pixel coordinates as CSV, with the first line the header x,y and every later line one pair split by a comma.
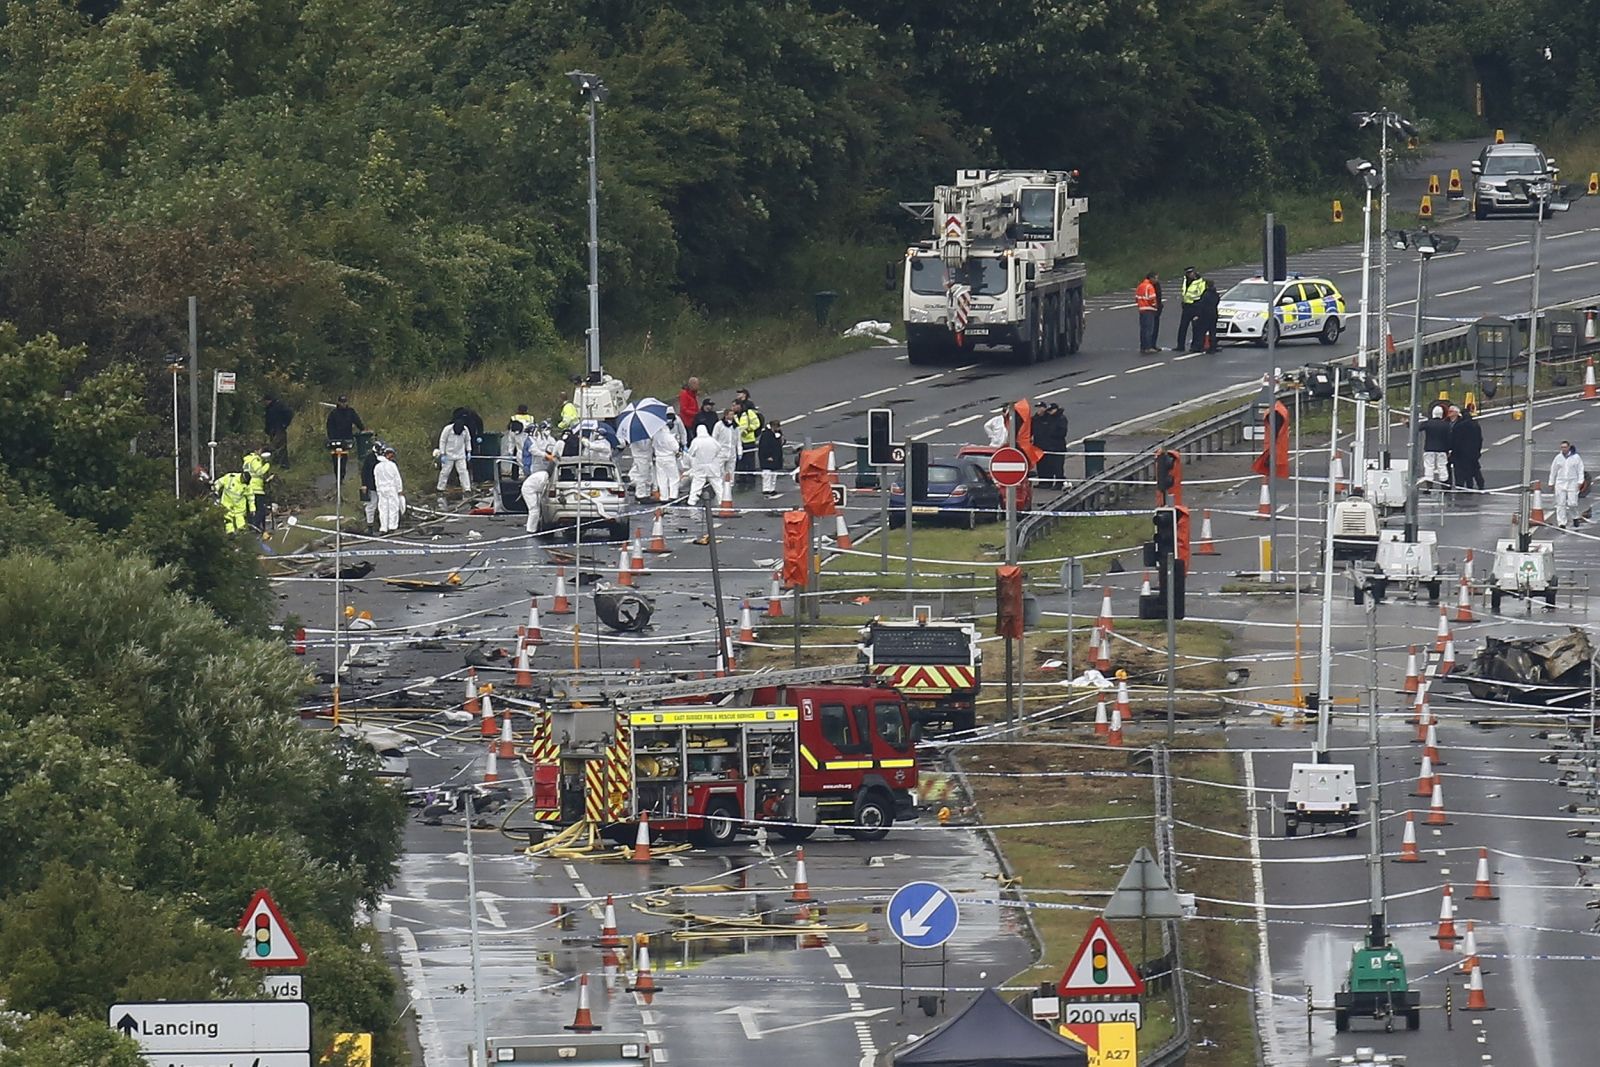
x,y
1057,864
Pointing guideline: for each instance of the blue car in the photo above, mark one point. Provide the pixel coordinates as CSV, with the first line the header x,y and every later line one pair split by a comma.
x,y
959,490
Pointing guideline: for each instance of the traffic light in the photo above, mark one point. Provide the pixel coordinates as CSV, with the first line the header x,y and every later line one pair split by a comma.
x,y
919,470
1166,538
1169,477
1275,253
1008,601
1100,961
263,941
1168,552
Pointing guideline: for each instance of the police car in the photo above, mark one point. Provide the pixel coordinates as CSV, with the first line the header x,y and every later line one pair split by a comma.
x,y
1303,307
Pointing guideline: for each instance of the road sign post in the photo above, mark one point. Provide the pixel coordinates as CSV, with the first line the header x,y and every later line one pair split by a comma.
x,y
922,915
271,1033
1009,468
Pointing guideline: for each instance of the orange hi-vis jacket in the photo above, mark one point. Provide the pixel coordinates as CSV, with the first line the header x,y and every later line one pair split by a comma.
x,y
1145,295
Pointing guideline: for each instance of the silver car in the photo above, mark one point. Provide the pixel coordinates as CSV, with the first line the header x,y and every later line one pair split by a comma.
x,y
589,491
1502,174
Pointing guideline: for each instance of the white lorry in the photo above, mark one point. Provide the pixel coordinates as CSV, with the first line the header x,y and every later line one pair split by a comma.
x,y
1320,793
1001,270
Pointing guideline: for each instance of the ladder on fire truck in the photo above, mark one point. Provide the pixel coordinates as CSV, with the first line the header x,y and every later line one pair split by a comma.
x,y
619,691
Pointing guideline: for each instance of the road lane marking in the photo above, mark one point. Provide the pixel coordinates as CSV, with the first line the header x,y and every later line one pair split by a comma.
x,y
1569,415
1055,392
852,991
1191,355
1506,440
1120,307
1458,292
1541,426
1145,367
843,970
1569,233
1265,1024
1097,381
830,407
797,418
833,951
1512,244
1514,278
969,366
1352,270
880,392
1576,266
428,1034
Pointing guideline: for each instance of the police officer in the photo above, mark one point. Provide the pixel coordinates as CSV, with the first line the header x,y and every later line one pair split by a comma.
x,y
233,491
259,464
750,423
1193,286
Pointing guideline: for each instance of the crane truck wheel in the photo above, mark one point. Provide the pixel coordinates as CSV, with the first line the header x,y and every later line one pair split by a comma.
x,y
874,815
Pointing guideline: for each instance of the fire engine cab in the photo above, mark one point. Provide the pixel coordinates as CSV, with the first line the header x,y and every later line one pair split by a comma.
x,y
710,758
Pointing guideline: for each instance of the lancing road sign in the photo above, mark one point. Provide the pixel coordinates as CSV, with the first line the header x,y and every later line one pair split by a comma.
x,y
220,1027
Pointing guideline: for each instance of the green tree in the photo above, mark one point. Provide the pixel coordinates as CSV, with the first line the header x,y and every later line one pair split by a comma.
x,y
47,1040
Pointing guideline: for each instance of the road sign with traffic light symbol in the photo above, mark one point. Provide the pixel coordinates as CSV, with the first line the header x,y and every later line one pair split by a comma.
x,y
1100,967
268,939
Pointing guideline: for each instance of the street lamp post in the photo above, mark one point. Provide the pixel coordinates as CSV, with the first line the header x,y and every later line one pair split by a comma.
x,y
1427,245
1539,192
593,90
1385,120
1369,178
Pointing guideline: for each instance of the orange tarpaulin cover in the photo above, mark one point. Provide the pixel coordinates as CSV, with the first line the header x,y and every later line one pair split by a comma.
x,y
796,549
816,481
1275,424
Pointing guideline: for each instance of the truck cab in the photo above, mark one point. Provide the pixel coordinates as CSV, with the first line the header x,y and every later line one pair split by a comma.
x,y
937,666
858,759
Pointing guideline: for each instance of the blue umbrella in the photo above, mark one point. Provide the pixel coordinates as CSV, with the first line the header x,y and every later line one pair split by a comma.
x,y
642,420
595,428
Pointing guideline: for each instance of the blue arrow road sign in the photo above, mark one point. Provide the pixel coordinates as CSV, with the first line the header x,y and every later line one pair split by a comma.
x,y
923,915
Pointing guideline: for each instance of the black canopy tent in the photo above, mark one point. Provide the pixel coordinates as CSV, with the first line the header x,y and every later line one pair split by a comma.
x,y
990,1033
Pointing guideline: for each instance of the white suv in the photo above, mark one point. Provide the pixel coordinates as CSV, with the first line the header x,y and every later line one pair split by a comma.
x,y
1500,171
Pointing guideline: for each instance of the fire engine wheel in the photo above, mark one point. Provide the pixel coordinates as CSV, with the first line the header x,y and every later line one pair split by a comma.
x,y
722,825
797,833
874,815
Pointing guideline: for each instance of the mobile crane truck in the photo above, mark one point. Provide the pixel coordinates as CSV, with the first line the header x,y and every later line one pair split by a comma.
x,y
1001,270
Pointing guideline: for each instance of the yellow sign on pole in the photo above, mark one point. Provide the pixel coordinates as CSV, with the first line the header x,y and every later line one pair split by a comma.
x,y
350,1050
1108,1044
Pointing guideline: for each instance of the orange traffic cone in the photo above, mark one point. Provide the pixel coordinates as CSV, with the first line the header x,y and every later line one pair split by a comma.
x,y
644,980
1408,842
1102,662
508,743
725,495
1102,724
802,888
731,661
1144,589
1412,677
1123,706
1419,708
1430,746
300,641
1114,734
491,767
641,840
841,533
1264,505
1337,472
1476,1001
1443,633
1447,662
524,676
1482,888
1205,546
775,599
609,937
636,555
1464,601
624,567
473,705
1426,779
658,536
583,1022
535,634
1105,622
1536,513
1466,568
487,727
562,605
1447,921
1436,812
1469,949
1589,391
747,625
1424,717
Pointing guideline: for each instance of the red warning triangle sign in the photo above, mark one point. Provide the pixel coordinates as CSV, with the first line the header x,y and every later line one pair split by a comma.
x,y
268,941
1100,967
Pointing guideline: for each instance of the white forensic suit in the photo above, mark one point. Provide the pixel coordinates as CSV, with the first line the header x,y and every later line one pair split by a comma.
x,y
1566,475
705,465
389,487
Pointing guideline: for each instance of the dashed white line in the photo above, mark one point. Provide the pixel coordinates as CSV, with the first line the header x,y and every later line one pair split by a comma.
x,y
1576,266
1352,270
880,392
1055,392
1569,415
797,418
1458,292
1569,233
1097,381
1514,278
833,951
830,407
1506,440
843,970
852,991
1540,426
1120,307
969,418
1511,244
1191,355
1144,367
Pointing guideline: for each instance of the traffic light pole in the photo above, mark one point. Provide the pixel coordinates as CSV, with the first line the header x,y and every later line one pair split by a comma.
x,y
1272,396
1524,512
1013,653
1171,562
